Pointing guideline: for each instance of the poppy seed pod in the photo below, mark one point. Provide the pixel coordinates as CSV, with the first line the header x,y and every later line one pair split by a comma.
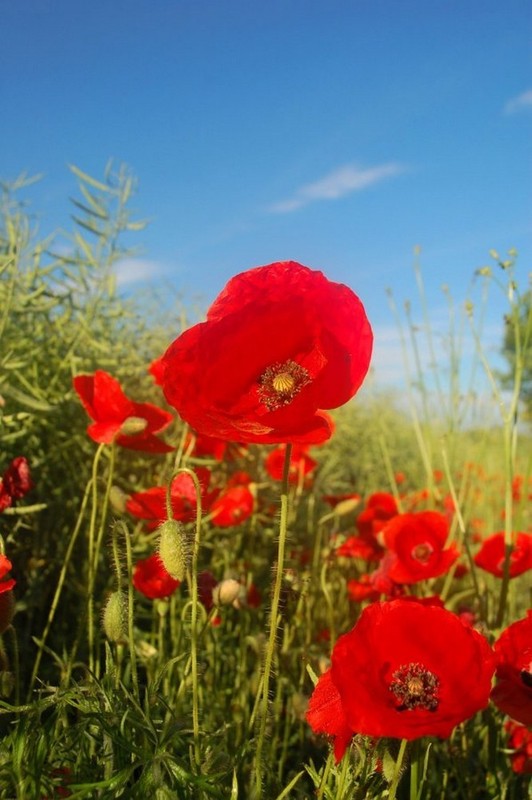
x,y
173,548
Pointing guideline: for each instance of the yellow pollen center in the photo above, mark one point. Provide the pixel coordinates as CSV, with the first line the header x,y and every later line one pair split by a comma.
x,y
283,382
415,687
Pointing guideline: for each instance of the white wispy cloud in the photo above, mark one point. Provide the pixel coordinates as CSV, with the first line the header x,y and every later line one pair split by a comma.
x,y
135,270
522,102
338,183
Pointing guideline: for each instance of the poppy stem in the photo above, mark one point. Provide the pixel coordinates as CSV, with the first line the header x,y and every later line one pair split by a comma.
x,y
192,579
130,600
264,685
59,587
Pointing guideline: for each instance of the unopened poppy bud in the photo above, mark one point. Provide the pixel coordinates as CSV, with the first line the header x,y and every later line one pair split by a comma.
x,y
133,425
346,506
118,499
114,618
226,592
173,548
7,610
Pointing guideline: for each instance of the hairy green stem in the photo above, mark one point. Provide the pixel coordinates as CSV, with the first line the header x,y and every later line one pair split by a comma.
x,y
273,624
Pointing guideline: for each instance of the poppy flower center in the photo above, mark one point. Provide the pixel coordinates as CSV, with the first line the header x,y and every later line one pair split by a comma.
x,y
414,686
280,382
422,552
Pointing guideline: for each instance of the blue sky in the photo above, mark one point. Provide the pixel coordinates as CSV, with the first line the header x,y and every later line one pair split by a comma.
x,y
338,133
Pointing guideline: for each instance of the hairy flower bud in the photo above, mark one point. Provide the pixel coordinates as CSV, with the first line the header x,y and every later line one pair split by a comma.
x,y
114,618
133,425
118,499
173,548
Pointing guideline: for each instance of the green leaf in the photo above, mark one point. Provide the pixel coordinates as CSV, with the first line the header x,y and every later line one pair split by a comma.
x,y
88,179
25,399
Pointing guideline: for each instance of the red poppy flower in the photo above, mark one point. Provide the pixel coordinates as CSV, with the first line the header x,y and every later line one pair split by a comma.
x,y
7,599
152,580
5,566
380,507
418,543
253,597
206,446
15,482
513,691
301,464
206,583
405,670
520,741
151,504
117,418
366,549
280,343
233,507
491,555
362,589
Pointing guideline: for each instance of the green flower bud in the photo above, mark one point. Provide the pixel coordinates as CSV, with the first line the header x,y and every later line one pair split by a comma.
x,y
114,618
173,550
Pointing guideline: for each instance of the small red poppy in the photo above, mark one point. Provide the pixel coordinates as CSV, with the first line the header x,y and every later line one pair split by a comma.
x,y
520,741
512,692
151,503
362,589
365,548
417,542
405,670
15,482
301,464
380,507
205,446
5,566
281,343
233,507
152,580
206,583
490,557
116,416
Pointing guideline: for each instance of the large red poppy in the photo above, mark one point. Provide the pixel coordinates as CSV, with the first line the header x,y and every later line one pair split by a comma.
x,y
116,416
417,542
280,343
405,670
491,555
513,691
